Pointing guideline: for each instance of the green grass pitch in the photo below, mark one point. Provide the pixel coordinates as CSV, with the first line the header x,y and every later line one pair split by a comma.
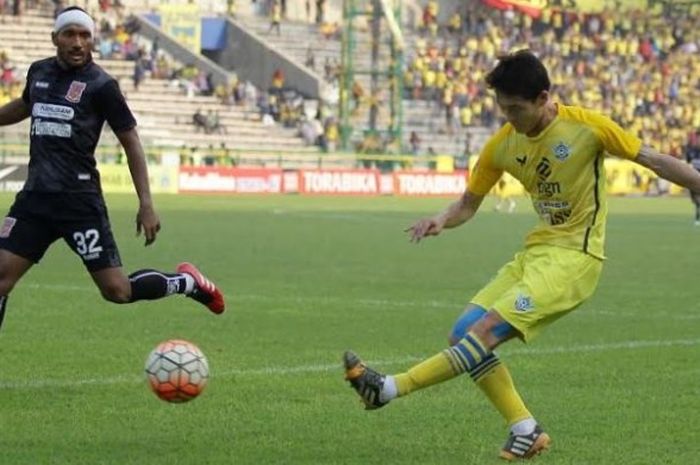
x,y
617,382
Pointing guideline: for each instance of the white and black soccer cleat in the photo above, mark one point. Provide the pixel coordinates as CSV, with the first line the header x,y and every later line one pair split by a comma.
x,y
367,382
525,446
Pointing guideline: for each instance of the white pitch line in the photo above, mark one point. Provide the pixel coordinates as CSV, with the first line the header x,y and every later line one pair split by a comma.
x,y
287,298
630,345
335,367
388,303
58,287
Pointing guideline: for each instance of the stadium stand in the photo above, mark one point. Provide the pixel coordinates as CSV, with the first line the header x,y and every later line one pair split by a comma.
x,y
164,111
640,67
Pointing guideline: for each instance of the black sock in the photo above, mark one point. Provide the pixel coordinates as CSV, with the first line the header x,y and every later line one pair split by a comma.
x,y
153,284
3,303
697,213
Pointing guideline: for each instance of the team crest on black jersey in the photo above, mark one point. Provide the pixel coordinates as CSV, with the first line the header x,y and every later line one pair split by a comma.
x,y
7,226
75,91
561,151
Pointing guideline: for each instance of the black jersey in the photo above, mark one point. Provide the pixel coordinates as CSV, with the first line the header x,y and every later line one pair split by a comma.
x,y
692,155
68,109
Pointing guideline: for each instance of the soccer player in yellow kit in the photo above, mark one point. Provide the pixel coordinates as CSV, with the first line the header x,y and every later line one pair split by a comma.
x,y
556,152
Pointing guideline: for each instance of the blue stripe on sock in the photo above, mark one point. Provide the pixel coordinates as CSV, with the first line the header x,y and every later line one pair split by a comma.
x,y
455,362
462,364
484,367
465,354
490,357
479,348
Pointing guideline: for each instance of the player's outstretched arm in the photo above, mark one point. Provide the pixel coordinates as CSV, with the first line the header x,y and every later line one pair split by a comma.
x,y
13,112
146,218
457,213
669,168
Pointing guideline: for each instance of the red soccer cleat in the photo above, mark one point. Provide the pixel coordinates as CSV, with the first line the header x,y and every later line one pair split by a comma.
x,y
205,291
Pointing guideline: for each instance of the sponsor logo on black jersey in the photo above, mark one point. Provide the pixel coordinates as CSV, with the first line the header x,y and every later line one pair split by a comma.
x,y
49,128
49,110
7,226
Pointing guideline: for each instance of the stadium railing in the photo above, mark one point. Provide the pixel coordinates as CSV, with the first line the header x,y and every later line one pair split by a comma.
x,y
14,152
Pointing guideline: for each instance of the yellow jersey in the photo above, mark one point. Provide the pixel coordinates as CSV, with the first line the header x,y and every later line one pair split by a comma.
x,y
563,172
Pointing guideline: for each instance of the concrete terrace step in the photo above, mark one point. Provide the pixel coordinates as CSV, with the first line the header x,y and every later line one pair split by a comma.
x,y
163,111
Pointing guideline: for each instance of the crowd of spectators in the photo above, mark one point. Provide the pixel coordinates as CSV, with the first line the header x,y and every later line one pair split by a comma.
x,y
210,122
10,84
640,68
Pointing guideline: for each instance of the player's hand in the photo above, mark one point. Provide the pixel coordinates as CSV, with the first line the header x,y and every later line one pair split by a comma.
x,y
147,220
425,227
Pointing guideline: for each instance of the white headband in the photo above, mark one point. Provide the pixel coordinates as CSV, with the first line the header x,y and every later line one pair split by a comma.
x,y
78,17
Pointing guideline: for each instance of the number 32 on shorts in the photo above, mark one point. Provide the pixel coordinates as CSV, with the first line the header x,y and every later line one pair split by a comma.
x,y
86,243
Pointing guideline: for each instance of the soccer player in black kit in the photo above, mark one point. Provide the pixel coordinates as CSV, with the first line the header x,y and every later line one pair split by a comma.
x,y
69,98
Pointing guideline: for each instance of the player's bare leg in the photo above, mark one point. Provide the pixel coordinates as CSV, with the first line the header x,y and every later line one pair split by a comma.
x,y
696,201
12,268
113,284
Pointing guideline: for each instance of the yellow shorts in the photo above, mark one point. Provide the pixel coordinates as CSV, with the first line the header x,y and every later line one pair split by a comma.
x,y
540,285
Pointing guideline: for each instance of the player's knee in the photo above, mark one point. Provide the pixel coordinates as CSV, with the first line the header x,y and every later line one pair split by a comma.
x,y
7,283
116,292
492,330
471,315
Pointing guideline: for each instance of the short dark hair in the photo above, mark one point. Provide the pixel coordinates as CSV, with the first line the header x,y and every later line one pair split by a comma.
x,y
71,8
519,74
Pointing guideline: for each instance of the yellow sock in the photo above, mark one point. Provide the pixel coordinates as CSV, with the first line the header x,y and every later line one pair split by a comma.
x,y
434,370
498,386
458,359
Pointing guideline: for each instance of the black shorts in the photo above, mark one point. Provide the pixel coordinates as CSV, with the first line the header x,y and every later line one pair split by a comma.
x,y
37,219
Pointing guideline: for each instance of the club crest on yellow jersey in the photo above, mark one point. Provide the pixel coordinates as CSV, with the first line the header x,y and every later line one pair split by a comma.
x,y
561,151
523,303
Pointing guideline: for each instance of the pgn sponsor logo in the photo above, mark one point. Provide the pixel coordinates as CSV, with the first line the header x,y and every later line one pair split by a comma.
x,y
48,110
548,189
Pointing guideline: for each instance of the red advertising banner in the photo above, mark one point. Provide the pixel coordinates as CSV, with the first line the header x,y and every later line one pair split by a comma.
x,y
209,179
429,183
339,182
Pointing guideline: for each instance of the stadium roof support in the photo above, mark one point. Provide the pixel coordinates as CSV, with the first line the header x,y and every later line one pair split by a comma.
x,y
385,75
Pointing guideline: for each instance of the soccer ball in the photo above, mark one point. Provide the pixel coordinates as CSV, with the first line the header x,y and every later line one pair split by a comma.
x,y
177,370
